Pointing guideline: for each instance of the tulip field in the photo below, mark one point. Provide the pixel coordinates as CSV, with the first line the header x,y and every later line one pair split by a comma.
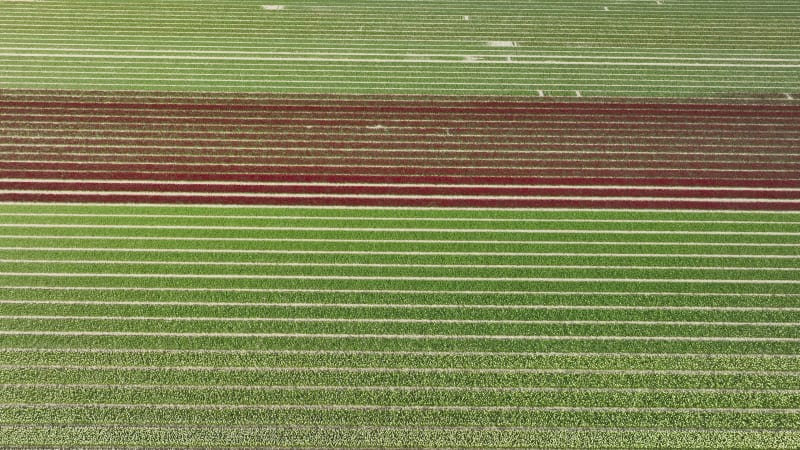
x,y
410,224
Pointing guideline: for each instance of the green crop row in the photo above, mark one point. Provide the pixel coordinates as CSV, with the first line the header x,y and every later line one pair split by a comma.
x,y
576,379
152,340
356,358
314,436
266,311
291,397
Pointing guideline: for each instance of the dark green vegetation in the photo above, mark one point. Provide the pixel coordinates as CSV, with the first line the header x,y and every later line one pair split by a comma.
x,y
197,326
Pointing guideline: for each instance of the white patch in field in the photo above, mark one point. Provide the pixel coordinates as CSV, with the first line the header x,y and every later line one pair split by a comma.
x,y
508,59
788,96
578,94
605,8
376,127
272,7
470,58
541,93
501,43
466,17
658,2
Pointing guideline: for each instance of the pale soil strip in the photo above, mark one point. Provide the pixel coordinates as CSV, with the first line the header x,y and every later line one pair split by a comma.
x,y
393,265
397,208
378,46
365,167
238,351
342,388
317,86
492,73
398,128
407,84
397,122
688,174
327,98
404,253
445,15
355,428
577,148
399,134
397,291
295,155
314,55
216,304
666,105
222,195
500,21
446,9
387,241
426,15
313,83
392,219
69,65
401,230
528,154
581,141
252,68
454,337
526,139
389,278
348,27
339,33
552,72
20,148
379,58
287,99
405,197
428,185
144,368
309,78
215,144
332,407
405,321
396,134
219,149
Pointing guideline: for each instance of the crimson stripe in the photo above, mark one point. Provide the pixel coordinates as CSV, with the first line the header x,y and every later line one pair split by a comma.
x,y
222,154
354,201
453,144
265,163
482,180
400,190
397,170
255,147
417,123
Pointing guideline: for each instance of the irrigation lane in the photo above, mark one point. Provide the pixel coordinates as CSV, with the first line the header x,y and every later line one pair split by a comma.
x,y
137,323
398,151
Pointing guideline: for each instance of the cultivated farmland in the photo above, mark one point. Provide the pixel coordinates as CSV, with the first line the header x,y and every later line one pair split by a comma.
x,y
420,224
664,48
